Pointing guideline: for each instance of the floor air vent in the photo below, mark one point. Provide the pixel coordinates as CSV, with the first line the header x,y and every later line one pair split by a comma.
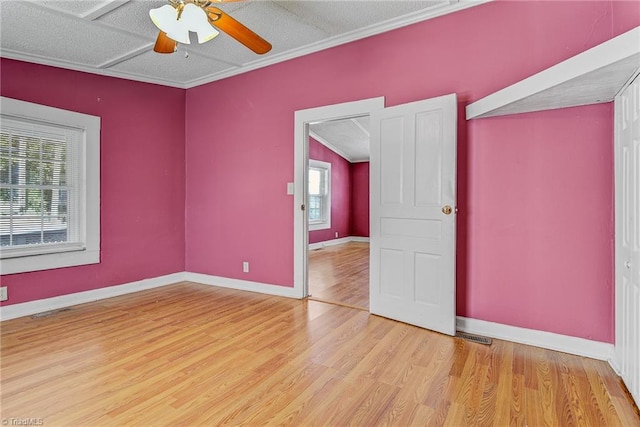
x,y
48,313
474,338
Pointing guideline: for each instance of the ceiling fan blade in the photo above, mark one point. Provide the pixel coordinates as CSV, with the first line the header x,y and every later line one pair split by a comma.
x,y
164,44
235,29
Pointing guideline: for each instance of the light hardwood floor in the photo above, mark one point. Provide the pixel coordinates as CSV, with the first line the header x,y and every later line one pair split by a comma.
x,y
340,274
190,354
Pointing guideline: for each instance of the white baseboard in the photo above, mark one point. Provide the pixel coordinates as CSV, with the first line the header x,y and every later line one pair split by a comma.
x,y
38,306
549,340
332,242
359,239
241,285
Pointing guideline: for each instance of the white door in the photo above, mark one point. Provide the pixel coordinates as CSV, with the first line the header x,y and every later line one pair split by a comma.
x,y
413,195
627,263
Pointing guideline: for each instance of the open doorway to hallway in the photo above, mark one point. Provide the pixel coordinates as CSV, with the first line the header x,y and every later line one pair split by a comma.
x,y
338,211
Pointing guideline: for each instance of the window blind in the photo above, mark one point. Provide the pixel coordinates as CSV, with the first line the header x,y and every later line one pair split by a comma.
x,y
39,185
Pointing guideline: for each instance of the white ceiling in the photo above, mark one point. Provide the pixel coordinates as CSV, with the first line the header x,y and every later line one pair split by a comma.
x,y
347,137
116,37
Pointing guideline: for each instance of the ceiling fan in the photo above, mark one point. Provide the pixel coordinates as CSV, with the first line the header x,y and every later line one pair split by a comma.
x,y
176,19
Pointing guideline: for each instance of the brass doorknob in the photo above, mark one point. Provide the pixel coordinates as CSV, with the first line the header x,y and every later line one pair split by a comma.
x,y
447,210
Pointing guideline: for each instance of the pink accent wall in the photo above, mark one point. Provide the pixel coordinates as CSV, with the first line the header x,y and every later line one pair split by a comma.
x,y
340,193
534,191
360,199
142,176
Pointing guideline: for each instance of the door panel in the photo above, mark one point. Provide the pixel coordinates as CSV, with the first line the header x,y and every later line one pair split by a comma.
x,y
413,172
391,150
428,159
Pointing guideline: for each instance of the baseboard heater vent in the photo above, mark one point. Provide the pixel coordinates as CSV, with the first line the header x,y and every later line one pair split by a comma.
x,y
475,338
48,313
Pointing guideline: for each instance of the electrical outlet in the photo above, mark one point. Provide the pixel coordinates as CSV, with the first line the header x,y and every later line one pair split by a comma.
x,y
4,295
245,267
336,234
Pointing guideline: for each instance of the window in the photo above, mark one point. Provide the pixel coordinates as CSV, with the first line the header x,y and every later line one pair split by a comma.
x,y
49,187
319,195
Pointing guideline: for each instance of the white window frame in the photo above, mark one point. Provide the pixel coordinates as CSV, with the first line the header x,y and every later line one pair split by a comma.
x,y
325,222
20,260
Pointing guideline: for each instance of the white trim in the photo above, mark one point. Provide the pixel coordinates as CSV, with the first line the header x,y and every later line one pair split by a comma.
x,y
69,65
623,49
241,285
334,242
38,306
102,9
627,186
629,81
549,340
325,222
88,189
330,146
302,118
337,150
234,70
377,28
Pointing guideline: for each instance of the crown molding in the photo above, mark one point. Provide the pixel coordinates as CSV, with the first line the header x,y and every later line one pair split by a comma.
x,y
454,6
330,146
41,60
371,30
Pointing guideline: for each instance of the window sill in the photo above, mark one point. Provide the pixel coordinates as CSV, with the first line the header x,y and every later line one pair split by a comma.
x,y
314,226
49,261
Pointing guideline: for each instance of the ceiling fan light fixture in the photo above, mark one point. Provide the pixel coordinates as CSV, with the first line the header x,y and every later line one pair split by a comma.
x,y
180,17
195,19
166,19
207,34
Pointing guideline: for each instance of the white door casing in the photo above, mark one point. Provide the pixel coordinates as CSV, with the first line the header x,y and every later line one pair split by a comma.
x,y
627,251
302,119
413,181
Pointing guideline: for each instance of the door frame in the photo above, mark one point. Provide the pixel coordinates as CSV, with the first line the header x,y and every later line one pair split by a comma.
x,y
302,120
619,362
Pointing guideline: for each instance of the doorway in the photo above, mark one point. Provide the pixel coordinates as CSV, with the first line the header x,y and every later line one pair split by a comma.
x,y
412,207
338,211
304,119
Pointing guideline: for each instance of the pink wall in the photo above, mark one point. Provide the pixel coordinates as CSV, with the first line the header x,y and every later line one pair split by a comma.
x,y
340,193
535,189
625,15
540,217
142,176
360,199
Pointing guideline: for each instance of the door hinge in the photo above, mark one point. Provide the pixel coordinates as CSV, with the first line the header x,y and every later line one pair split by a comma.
x,y
302,207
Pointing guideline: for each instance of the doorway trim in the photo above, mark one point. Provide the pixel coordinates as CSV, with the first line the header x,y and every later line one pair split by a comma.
x,y
302,120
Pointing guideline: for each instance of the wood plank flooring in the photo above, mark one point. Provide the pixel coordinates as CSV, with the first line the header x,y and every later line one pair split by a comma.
x,y
340,274
190,354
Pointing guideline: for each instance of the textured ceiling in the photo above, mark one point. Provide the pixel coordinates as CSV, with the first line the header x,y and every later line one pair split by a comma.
x,y
347,137
116,37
